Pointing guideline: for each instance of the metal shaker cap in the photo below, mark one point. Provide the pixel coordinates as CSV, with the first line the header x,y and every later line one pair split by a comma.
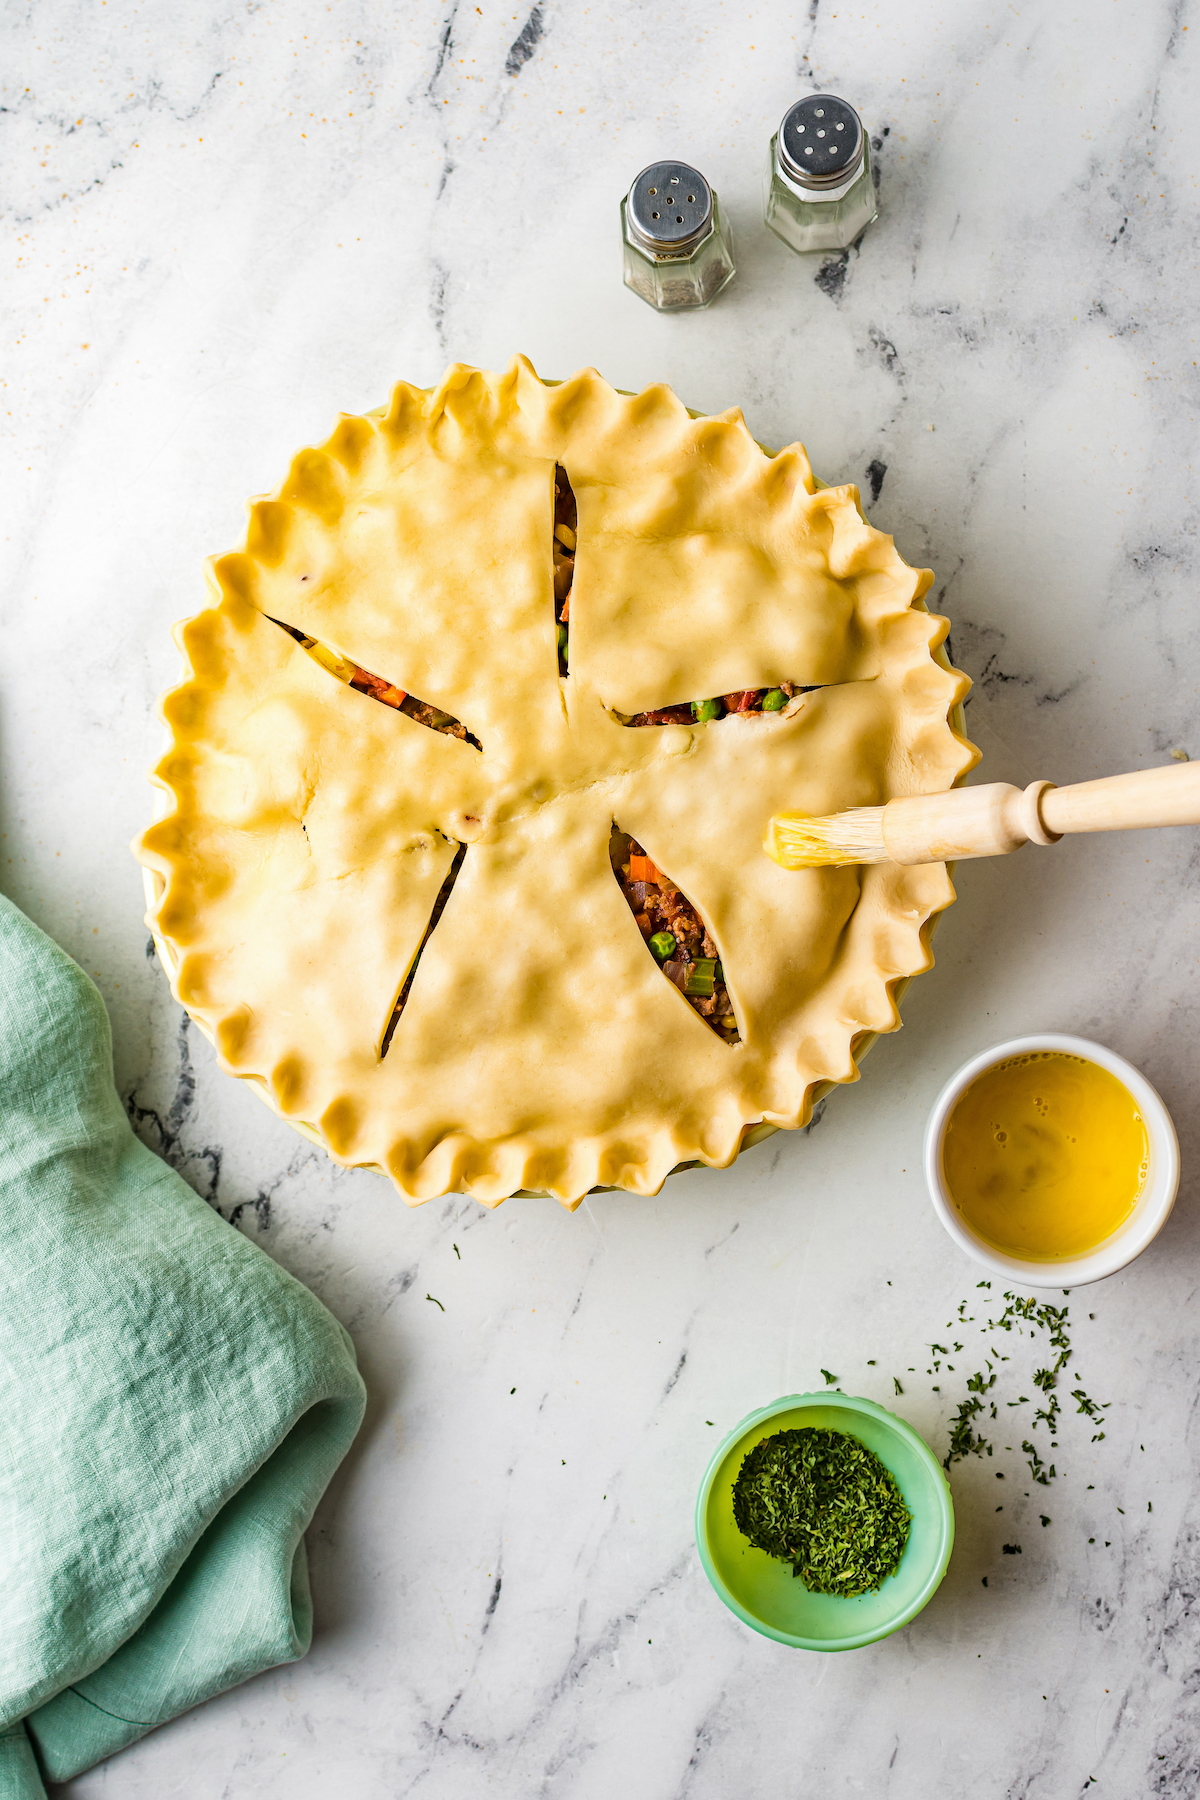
x,y
670,205
821,141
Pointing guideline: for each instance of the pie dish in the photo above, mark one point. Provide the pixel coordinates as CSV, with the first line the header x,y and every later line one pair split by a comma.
x,y
447,770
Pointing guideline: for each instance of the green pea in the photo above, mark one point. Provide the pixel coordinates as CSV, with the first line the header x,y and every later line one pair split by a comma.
x,y
775,701
563,639
703,710
662,944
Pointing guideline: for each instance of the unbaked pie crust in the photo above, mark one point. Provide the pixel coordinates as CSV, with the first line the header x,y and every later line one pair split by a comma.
x,y
310,829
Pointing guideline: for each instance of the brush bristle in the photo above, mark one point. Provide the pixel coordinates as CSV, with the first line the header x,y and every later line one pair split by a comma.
x,y
796,842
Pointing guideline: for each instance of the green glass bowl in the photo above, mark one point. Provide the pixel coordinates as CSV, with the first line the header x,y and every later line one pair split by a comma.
x,y
762,1590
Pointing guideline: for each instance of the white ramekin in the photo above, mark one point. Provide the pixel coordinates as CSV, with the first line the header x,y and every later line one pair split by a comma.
x,y
1144,1222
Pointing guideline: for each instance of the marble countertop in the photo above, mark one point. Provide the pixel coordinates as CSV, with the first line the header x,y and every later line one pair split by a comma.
x,y
224,223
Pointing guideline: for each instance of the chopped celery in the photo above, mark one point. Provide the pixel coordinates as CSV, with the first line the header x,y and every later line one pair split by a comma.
x,y
699,979
329,659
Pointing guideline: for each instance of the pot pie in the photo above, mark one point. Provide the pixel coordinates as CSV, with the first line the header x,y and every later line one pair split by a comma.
x,y
460,857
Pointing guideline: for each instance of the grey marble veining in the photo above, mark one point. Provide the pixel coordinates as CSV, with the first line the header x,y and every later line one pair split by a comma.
x,y
222,223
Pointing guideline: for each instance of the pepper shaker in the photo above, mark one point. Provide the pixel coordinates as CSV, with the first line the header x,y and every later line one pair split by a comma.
x,y
678,251
820,190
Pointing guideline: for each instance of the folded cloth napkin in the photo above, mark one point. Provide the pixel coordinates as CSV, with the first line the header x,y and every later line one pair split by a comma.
x,y
172,1406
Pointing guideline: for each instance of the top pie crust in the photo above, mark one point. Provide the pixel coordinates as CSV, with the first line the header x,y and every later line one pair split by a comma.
x,y
311,829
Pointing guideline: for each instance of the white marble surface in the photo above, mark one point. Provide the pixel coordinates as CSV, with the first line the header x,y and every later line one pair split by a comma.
x,y
225,221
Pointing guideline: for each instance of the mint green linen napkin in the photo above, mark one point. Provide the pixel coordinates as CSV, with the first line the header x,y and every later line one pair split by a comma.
x,y
173,1406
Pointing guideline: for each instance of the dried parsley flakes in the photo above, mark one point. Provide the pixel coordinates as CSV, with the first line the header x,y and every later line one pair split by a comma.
x,y
1023,1315
822,1501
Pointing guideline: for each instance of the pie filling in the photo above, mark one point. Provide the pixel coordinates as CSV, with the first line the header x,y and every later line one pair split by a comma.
x,y
384,691
763,701
439,907
676,936
566,523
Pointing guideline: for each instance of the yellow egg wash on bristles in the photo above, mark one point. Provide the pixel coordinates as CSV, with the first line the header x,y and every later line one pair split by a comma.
x,y
1045,1155
796,842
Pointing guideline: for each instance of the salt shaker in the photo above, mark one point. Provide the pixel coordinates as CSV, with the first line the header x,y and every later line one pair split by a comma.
x,y
820,191
678,251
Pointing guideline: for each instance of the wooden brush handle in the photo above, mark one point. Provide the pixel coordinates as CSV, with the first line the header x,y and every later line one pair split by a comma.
x,y
1168,796
989,820
995,818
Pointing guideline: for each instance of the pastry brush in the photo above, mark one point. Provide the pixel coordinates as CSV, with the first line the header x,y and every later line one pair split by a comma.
x,y
989,820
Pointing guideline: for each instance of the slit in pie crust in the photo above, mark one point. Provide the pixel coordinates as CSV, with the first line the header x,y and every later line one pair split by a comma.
x,y
414,939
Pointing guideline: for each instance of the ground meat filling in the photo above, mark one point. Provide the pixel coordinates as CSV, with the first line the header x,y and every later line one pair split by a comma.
x,y
745,700
677,937
566,521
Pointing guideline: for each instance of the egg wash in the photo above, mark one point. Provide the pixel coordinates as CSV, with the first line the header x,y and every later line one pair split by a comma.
x,y
1045,1155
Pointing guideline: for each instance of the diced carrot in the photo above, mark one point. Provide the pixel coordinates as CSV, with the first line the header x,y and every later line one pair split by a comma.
x,y
377,687
642,869
745,700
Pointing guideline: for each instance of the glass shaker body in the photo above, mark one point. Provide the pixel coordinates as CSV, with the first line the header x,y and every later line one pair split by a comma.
x,y
676,246
820,192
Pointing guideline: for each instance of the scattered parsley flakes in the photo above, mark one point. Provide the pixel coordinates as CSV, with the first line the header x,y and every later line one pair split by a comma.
x,y
1020,1315
964,1439
1037,1467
